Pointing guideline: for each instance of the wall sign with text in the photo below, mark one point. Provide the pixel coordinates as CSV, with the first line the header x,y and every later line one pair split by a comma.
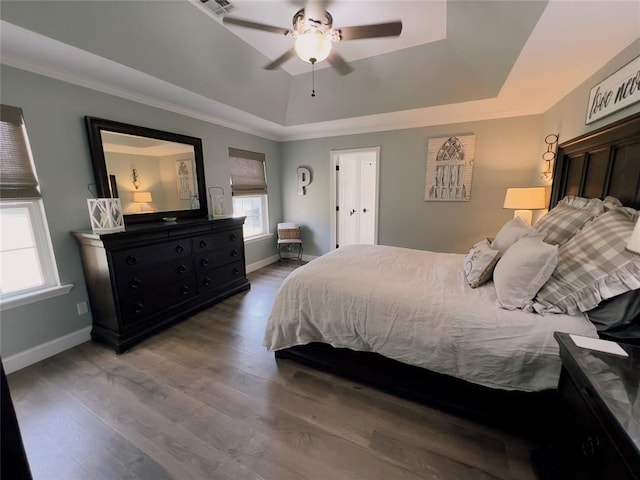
x,y
616,92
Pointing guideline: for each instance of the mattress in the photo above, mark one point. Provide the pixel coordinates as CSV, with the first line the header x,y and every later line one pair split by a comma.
x,y
416,307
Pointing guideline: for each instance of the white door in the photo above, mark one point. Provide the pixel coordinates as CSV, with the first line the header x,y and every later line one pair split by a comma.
x,y
355,184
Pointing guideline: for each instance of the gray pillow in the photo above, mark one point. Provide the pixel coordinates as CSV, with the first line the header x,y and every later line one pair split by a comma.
x,y
523,270
618,317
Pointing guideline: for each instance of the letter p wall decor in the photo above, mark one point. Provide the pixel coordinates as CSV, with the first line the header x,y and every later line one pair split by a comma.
x,y
304,179
616,92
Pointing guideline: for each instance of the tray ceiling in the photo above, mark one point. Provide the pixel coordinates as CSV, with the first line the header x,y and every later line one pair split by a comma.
x,y
456,61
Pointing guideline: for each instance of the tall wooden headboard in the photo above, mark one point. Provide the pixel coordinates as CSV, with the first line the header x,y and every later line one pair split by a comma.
x,y
600,163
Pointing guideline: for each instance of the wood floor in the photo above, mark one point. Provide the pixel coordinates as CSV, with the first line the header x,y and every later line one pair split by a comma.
x,y
205,400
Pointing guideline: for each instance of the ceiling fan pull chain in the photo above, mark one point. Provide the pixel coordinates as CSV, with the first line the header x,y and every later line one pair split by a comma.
x,y
313,79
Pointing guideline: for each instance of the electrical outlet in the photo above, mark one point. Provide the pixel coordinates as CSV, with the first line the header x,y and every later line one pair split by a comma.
x,y
82,308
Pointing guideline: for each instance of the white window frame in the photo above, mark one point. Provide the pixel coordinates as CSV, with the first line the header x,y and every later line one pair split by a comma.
x,y
264,199
51,281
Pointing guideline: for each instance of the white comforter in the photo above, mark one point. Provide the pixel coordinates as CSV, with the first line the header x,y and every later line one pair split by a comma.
x,y
416,307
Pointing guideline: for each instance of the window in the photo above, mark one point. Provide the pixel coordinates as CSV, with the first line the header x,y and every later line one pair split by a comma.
x,y
249,190
27,266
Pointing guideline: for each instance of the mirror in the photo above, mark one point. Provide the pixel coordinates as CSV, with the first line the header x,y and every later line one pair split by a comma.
x,y
155,174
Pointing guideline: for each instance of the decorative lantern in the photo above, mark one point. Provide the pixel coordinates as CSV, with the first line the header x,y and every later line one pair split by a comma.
x,y
106,215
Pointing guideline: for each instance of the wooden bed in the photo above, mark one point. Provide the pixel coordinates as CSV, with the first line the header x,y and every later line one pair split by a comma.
x,y
600,163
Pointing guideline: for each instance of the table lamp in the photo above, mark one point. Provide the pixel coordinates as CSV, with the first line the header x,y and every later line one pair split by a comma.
x,y
144,199
525,199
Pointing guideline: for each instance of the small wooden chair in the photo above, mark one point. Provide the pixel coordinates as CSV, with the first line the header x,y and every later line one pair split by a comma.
x,y
288,238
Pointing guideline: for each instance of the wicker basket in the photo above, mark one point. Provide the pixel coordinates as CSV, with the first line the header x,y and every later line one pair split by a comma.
x,y
289,233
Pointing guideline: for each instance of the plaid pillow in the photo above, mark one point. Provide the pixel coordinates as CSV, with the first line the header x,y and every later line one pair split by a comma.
x,y
592,266
568,217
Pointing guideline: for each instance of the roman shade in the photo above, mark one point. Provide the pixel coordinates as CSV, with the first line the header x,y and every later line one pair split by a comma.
x,y
18,179
247,172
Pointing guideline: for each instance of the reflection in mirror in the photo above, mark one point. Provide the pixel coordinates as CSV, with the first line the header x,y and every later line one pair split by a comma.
x,y
156,174
150,175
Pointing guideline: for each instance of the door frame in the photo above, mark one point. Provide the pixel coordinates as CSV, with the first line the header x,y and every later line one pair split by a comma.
x,y
335,154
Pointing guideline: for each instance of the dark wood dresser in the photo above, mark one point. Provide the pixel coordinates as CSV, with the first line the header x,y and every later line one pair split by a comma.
x,y
153,275
597,431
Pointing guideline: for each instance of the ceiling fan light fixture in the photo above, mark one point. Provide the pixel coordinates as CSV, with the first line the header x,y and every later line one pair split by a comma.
x,y
313,47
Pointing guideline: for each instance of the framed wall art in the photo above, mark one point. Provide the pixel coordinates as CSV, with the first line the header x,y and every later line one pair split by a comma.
x,y
449,168
617,91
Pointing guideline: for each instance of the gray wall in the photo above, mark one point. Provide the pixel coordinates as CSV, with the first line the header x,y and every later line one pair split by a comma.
x,y
567,117
54,115
508,153
506,156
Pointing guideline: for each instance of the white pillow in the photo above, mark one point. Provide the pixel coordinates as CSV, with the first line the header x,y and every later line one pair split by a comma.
x,y
523,270
479,263
510,233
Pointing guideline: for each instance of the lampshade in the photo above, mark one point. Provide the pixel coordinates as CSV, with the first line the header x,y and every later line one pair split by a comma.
x,y
633,245
142,197
313,46
525,198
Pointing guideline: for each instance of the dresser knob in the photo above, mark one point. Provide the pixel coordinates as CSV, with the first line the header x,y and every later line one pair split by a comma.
x,y
234,253
131,260
203,243
179,249
138,307
236,270
204,262
135,282
206,282
182,269
184,290
232,237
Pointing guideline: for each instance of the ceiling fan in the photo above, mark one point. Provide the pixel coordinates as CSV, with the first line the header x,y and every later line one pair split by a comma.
x,y
314,35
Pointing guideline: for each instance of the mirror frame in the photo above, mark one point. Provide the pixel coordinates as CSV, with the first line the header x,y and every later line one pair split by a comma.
x,y
95,126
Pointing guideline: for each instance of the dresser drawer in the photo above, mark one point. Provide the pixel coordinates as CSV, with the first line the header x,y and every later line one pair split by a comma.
x,y
217,258
135,281
141,257
215,277
218,241
138,307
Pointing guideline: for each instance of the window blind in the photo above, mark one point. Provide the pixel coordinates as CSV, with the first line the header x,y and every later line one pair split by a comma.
x,y
247,172
17,177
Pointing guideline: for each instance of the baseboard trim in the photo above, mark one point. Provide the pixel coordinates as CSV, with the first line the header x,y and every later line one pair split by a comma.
x,y
261,263
274,259
45,350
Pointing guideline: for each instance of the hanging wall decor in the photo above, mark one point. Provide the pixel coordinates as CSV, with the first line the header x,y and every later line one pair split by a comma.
x,y
304,179
184,179
449,168
615,92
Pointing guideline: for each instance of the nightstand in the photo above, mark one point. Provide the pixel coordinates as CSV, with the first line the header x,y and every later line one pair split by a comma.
x,y
597,430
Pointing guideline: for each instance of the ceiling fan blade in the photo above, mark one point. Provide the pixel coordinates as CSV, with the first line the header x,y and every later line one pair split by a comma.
x,y
257,26
280,60
391,29
339,63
